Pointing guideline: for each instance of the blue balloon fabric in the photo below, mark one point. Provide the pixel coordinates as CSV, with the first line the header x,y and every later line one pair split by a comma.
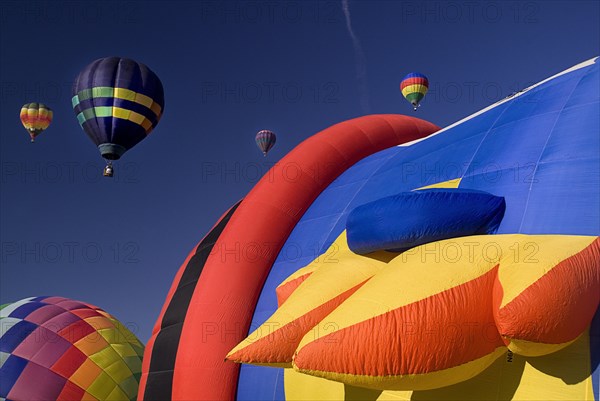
x,y
410,219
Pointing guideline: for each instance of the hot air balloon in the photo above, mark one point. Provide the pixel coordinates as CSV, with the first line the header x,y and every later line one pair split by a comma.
x,y
414,87
506,313
118,102
265,140
36,117
54,348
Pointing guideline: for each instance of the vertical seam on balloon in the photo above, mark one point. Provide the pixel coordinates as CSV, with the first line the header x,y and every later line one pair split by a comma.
x,y
275,386
116,78
483,140
544,149
92,77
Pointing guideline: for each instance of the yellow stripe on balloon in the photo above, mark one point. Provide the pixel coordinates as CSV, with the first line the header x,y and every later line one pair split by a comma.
x,y
444,184
337,271
132,116
414,88
126,94
147,125
527,258
123,114
290,284
530,348
329,279
442,265
143,100
136,118
415,382
300,387
156,109
309,269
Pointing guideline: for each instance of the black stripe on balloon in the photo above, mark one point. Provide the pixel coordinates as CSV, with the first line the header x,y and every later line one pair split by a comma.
x,y
159,384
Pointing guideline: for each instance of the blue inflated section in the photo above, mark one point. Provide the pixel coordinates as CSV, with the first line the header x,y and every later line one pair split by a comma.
x,y
539,151
410,219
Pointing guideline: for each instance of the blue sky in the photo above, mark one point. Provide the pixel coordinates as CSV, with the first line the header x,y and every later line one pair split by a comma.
x,y
229,69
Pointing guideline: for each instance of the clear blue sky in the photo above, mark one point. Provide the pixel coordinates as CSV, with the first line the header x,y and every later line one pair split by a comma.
x,y
229,69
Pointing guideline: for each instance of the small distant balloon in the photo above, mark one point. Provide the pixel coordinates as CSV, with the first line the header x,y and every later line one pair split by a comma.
x,y
265,140
414,86
36,117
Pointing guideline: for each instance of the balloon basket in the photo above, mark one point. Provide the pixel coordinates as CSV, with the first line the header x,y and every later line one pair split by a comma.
x,y
108,171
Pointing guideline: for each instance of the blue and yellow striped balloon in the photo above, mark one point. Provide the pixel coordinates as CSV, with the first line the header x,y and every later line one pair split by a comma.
x,y
118,102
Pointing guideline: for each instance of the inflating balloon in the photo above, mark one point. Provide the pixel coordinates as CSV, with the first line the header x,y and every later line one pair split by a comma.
x,y
414,86
118,102
265,140
463,264
54,348
36,117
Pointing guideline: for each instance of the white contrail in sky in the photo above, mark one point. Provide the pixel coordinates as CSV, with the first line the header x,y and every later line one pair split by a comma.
x,y
361,64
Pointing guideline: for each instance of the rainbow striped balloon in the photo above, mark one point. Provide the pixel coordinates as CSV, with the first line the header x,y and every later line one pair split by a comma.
x,y
414,86
36,117
54,348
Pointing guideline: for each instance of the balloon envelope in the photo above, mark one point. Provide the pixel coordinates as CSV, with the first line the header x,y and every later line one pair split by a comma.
x,y
293,226
265,140
414,86
36,117
55,348
118,102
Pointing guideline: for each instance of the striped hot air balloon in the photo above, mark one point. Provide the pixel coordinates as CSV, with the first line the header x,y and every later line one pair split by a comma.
x,y
36,117
265,140
54,348
118,102
414,86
